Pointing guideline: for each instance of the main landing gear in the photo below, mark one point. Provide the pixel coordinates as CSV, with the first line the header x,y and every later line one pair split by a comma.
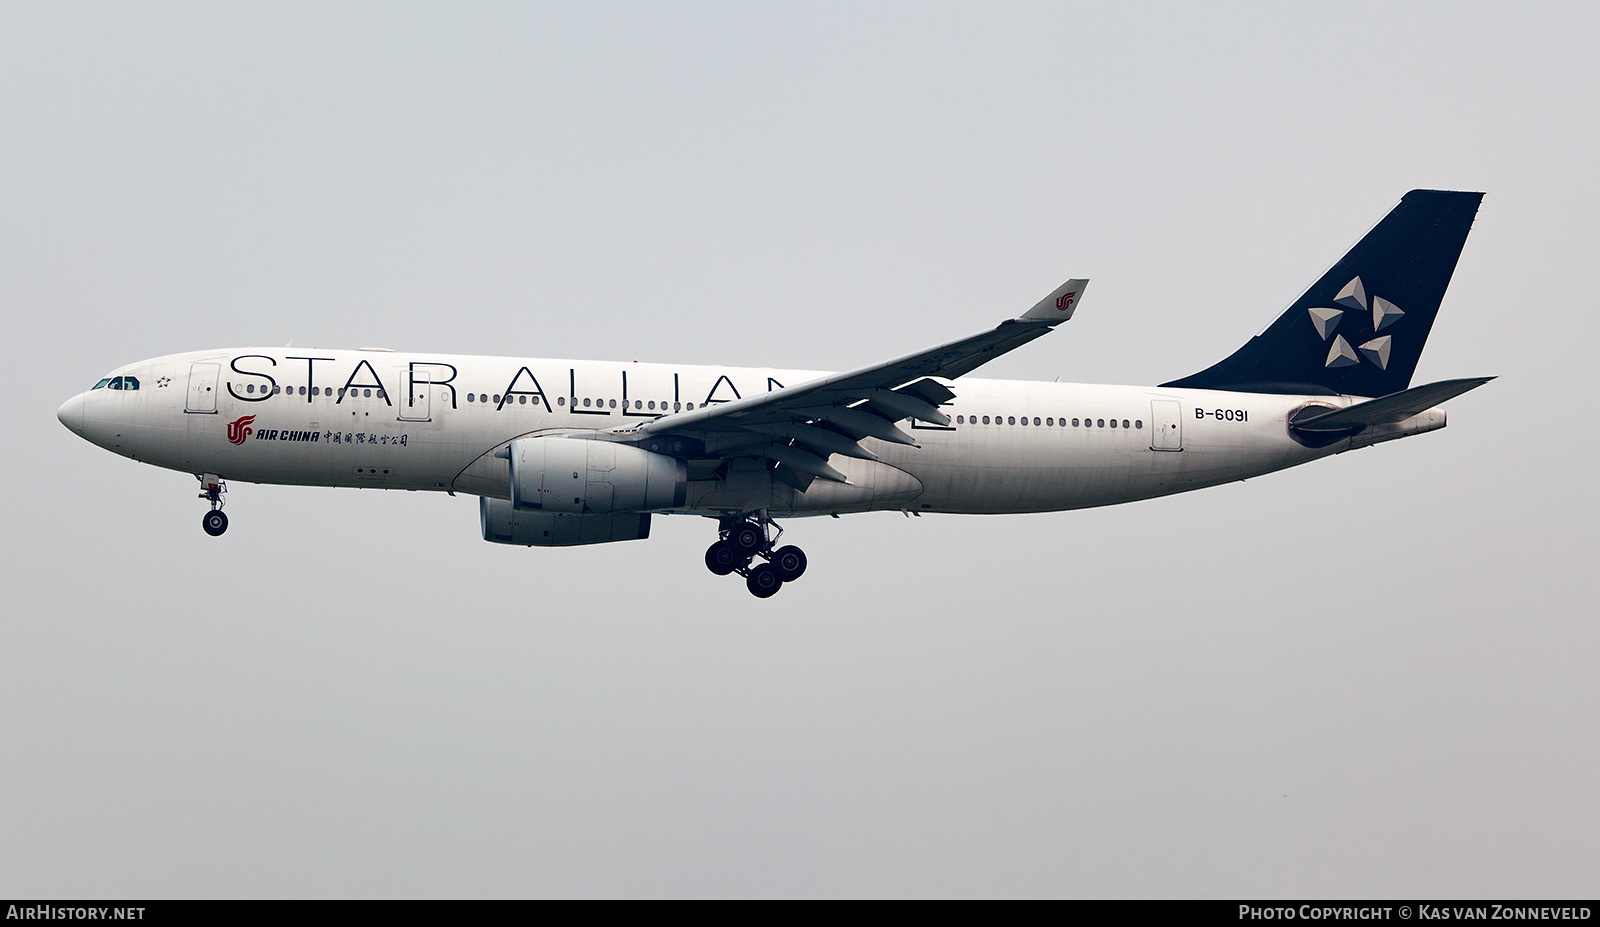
x,y
212,488
741,541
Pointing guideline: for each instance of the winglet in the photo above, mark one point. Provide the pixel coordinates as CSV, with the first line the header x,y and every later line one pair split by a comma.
x,y
1058,306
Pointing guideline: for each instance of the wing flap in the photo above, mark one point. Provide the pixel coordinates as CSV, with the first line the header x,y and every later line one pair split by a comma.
x,y
803,461
820,440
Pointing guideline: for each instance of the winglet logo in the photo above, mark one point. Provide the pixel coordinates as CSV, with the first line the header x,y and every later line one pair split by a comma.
x,y
1064,301
239,429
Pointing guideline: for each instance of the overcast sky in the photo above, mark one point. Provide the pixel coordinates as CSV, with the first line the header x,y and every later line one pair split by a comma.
x,y
1372,675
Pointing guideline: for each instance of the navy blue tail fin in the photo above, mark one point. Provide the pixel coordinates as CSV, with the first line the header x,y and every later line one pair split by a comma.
x,y
1360,329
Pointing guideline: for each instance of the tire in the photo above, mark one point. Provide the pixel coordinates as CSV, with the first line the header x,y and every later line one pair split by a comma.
x,y
790,562
763,581
214,523
722,559
746,539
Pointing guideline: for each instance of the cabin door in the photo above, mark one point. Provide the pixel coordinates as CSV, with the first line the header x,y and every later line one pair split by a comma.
x,y
202,388
416,392
1166,425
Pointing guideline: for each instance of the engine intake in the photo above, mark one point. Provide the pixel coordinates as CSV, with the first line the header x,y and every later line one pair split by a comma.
x,y
584,476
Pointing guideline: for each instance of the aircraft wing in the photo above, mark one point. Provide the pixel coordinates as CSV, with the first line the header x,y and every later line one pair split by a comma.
x,y
800,427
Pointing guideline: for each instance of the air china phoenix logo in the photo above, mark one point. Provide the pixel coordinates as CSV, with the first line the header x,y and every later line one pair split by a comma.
x,y
1064,301
239,429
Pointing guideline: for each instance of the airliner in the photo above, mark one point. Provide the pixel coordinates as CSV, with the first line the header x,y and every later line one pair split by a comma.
x,y
569,452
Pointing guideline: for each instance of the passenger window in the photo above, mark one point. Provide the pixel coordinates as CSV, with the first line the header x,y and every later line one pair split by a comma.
x,y
1036,419
1102,423
613,403
1050,421
1138,423
675,406
560,400
1074,423
986,419
689,406
1011,420
1124,423
586,403
1113,423
1024,420
522,400
471,397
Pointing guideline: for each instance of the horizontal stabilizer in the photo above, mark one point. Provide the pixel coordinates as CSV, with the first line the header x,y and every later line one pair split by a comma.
x,y
1396,407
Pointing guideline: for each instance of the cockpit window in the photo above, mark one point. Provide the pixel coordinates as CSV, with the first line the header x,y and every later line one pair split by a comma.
x,y
101,384
130,382
116,383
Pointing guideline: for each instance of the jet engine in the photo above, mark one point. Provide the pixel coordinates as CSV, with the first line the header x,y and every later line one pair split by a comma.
x,y
583,476
570,491
503,524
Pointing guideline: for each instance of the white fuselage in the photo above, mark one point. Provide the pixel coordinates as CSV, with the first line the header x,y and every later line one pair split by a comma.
x,y
434,422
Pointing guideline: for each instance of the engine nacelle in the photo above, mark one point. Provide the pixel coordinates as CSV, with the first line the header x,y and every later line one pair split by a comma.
x,y
503,524
584,476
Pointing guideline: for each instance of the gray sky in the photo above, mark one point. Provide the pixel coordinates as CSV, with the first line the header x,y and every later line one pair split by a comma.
x,y
1373,675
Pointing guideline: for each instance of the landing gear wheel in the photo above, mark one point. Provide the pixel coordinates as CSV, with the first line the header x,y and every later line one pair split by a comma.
x,y
763,581
746,539
215,523
790,562
722,559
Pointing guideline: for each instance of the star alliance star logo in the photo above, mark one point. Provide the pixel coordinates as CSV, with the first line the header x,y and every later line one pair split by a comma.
x,y
1327,319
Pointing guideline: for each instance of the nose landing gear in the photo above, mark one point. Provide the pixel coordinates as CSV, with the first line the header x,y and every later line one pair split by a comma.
x,y
742,540
212,489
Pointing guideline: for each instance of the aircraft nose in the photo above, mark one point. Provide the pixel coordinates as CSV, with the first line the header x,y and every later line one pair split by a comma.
x,y
71,414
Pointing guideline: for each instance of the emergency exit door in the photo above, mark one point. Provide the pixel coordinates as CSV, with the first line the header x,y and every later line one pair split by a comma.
x,y
1166,425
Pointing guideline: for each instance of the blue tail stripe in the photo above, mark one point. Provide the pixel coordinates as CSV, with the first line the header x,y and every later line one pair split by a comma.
x,y
1360,329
